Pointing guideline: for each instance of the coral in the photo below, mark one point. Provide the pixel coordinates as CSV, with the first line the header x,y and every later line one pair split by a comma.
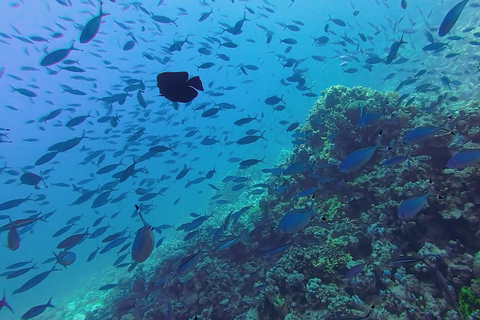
x,y
469,300
332,255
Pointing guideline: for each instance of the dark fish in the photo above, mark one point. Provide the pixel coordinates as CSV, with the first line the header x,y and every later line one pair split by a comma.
x,y
358,158
338,22
250,139
464,158
407,260
37,310
144,241
394,50
4,303
34,281
108,286
72,241
451,18
13,239
92,26
188,264
56,56
408,208
280,250
65,258
352,272
296,220
13,203
176,87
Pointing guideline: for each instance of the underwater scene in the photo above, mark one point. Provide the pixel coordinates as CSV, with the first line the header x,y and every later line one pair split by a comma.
x,y
239,159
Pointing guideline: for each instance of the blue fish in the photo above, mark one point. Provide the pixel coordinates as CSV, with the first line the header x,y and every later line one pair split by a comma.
x,y
367,119
451,18
421,133
144,241
56,56
307,192
37,310
357,159
188,264
280,250
464,158
393,161
408,209
352,272
92,26
296,220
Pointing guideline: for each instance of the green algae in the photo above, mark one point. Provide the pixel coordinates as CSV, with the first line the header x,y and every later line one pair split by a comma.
x,y
469,301
332,255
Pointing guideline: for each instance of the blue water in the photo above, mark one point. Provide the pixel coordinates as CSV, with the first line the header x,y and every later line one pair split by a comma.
x,y
162,121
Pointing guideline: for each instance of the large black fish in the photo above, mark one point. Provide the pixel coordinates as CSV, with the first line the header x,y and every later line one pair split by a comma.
x,y
176,87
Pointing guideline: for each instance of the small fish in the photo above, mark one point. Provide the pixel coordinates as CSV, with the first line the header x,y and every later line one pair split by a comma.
x,y
394,50
407,260
65,258
37,310
188,264
403,4
352,272
73,240
177,87
280,250
108,286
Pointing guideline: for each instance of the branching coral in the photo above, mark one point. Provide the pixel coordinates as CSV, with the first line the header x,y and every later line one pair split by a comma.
x,y
332,255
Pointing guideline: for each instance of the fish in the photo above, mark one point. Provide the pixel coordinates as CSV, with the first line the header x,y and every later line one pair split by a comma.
x,y
280,250
34,281
57,56
108,286
13,203
408,208
188,264
394,50
464,158
25,92
4,303
407,260
352,272
403,4
177,87
65,258
13,239
144,241
73,240
296,220
92,26
358,158
451,18
37,310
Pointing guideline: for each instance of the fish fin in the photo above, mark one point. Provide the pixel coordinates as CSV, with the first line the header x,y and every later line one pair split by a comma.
x,y
49,303
196,83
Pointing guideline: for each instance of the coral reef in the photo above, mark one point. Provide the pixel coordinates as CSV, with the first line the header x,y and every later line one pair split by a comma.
x,y
357,223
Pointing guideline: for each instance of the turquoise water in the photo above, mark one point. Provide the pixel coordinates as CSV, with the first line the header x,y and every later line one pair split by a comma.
x,y
106,65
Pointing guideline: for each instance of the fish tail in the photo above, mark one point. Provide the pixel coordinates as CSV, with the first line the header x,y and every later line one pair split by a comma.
x,y
49,303
5,303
